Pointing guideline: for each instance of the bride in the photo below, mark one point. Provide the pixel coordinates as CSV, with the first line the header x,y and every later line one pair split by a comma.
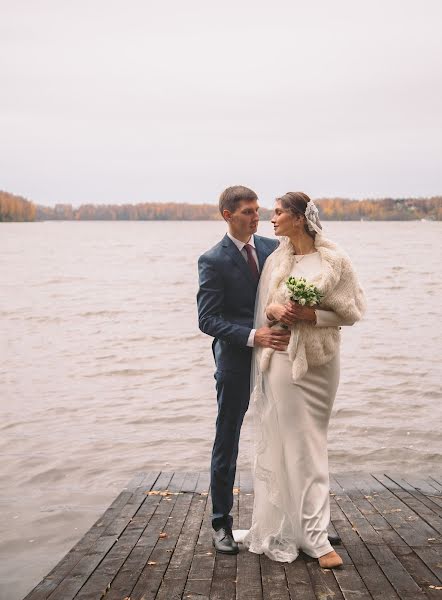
x,y
294,390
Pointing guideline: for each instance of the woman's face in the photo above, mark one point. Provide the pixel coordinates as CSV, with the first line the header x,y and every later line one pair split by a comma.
x,y
284,223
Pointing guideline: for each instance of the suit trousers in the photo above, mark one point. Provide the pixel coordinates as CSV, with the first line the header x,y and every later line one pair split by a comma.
x,y
233,394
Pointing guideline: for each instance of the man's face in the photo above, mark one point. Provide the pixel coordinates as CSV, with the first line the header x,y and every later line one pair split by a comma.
x,y
243,222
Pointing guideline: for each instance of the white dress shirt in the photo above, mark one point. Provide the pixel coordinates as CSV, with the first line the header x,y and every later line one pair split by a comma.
x,y
240,245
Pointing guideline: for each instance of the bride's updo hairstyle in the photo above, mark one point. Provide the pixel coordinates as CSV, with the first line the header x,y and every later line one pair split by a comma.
x,y
296,203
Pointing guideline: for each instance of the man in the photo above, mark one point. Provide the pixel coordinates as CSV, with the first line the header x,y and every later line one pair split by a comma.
x,y
228,280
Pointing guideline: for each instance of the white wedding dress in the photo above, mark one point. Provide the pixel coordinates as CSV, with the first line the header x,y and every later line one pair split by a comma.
x,y
291,483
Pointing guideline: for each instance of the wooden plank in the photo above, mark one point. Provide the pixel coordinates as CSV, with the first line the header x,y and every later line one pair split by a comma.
x,y
398,576
68,562
132,553
274,581
376,520
431,556
370,572
423,576
175,577
151,576
392,568
190,482
176,484
197,589
390,524
432,481
424,485
408,524
203,484
248,576
200,575
414,500
323,581
71,584
224,578
298,580
349,581
403,583
436,479
425,499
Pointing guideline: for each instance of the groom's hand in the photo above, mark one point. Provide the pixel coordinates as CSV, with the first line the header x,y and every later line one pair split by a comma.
x,y
277,339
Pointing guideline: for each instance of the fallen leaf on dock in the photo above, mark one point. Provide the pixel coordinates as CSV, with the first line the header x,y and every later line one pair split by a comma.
x,y
162,493
236,491
435,587
151,562
163,535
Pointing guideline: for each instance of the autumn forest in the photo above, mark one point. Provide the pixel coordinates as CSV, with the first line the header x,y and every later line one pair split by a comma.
x,y
17,208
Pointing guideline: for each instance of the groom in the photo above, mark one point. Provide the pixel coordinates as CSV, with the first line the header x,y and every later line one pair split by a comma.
x,y
228,280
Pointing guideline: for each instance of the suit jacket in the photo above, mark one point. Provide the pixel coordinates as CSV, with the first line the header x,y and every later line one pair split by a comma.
x,y
226,300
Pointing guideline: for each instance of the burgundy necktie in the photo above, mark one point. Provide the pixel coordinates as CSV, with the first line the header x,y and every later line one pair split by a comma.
x,y
251,262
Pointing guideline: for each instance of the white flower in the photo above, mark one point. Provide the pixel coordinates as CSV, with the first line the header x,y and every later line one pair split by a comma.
x,y
302,301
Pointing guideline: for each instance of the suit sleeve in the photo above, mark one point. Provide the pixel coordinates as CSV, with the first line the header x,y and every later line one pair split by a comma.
x,y
210,300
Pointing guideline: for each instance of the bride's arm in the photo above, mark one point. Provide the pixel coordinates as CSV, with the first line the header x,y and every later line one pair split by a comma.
x,y
328,318
317,316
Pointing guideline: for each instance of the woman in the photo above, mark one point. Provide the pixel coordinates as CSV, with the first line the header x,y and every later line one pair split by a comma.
x,y
294,390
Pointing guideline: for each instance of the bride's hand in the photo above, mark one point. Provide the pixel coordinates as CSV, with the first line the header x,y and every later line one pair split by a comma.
x,y
303,313
284,313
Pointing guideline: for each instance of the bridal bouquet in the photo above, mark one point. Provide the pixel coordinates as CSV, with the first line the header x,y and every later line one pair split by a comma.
x,y
302,292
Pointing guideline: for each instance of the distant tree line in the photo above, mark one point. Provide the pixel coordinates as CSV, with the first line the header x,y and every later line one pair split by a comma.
x,y
148,211
385,209
16,208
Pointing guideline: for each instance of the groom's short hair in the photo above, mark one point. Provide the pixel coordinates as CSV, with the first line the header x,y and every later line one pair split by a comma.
x,y
233,195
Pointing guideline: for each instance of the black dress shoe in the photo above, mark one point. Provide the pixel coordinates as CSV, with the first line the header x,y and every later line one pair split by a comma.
x,y
334,540
223,541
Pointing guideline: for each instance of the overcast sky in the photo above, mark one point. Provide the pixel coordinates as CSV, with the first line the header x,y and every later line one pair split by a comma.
x,y
108,101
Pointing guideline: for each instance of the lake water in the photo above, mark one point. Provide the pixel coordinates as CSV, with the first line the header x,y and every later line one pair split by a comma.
x,y
103,371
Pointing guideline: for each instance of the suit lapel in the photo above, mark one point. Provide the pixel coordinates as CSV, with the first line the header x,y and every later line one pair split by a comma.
x,y
236,256
261,252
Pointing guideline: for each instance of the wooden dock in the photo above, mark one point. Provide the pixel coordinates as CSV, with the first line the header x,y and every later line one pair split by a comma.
x,y
154,542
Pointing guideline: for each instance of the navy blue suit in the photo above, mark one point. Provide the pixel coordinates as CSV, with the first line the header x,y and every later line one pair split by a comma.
x,y
226,301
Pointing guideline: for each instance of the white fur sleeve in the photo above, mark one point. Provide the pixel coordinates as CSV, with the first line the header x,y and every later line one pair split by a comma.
x,y
328,318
